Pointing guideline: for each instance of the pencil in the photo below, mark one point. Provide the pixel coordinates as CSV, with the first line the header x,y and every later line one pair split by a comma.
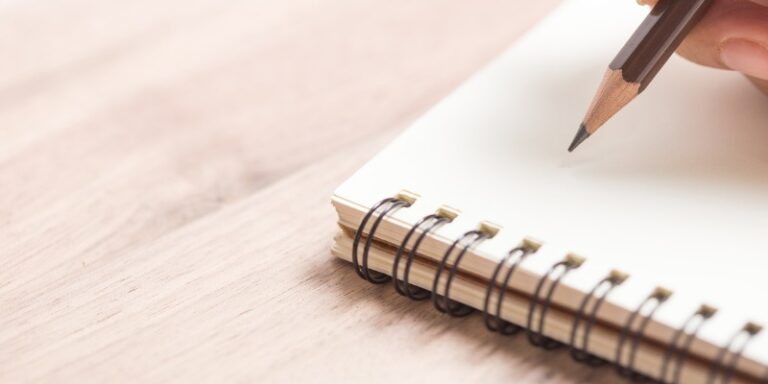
x,y
641,58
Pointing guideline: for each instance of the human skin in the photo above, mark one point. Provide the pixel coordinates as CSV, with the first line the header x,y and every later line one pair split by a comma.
x,y
732,35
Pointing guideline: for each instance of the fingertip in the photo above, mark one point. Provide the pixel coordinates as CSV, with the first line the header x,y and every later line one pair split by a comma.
x,y
736,26
745,56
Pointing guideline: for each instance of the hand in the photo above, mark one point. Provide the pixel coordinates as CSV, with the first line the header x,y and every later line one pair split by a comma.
x,y
732,35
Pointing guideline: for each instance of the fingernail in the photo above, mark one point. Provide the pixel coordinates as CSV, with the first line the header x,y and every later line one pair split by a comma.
x,y
745,56
761,2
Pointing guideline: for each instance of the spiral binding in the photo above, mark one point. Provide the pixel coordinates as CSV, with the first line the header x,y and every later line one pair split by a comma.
x,y
653,301
536,337
470,239
495,323
698,318
675,354
385,207
582,355
429,223
725,370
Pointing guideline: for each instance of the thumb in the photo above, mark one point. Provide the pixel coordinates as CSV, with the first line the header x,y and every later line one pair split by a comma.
x,y
732,35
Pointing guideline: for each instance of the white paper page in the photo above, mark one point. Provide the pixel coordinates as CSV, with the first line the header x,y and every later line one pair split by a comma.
x,y
674,189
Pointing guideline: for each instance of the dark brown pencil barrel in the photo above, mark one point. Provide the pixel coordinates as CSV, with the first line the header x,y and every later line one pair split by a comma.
x,y
656,39
640,60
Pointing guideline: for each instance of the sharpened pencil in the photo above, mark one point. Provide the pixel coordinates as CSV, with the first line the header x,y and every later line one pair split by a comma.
x,y
641,58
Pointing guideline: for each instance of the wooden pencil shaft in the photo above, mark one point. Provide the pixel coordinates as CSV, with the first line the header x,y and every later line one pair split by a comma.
x,y
657,38
613,94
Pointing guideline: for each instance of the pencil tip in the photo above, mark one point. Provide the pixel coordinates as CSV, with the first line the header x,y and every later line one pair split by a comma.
x,y
581,135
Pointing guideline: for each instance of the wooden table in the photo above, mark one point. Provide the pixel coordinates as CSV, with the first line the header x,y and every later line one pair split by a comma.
x,y
165,174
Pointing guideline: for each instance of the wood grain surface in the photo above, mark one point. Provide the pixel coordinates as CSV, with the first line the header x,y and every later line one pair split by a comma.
x,y
165,175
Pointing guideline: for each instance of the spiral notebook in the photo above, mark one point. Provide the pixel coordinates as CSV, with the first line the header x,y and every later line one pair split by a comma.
x,y
644,249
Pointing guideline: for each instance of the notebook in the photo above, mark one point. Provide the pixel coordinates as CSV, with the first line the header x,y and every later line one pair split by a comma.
x,y
645,248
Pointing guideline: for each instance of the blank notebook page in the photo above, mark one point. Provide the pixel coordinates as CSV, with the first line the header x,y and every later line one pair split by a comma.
x,y
673,190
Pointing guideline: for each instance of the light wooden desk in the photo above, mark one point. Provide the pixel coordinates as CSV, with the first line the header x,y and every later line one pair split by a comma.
x,y
165,174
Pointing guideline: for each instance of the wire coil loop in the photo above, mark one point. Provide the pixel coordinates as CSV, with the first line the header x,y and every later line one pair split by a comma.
x,y
605,286
427,224
687,332
494,322
384,207
725,370
654,302
536,335
443,303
